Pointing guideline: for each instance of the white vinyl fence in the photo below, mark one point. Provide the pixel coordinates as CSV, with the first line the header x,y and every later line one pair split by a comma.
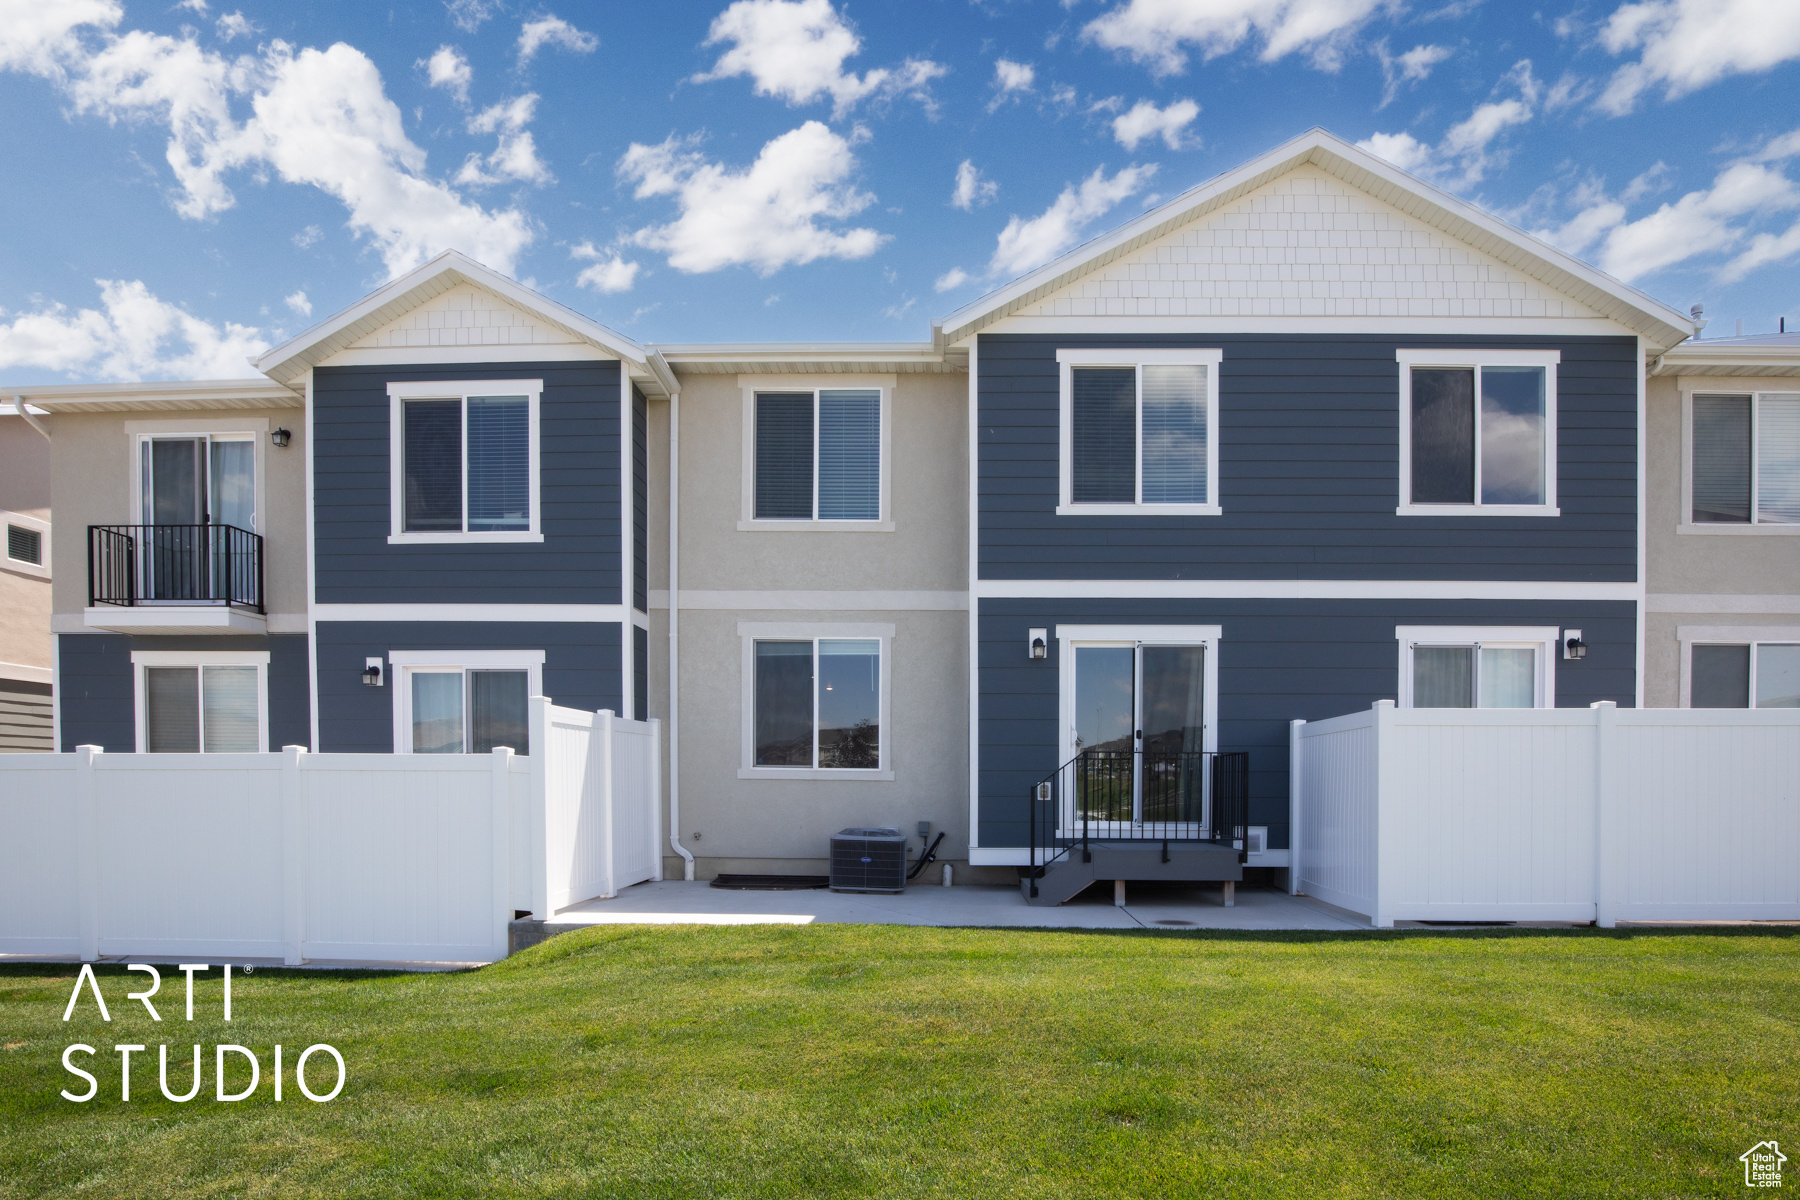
x,y
358,857
1601,814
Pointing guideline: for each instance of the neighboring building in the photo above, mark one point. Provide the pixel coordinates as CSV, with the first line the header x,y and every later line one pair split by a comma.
x,y
1722,627
1310,435
26,665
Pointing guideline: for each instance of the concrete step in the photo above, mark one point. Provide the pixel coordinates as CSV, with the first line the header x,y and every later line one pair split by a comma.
x,y
1188,862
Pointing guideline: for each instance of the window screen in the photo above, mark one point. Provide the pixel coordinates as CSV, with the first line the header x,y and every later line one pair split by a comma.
x,y
432,458
1721,459
1174,434
1443,436
24,545
784,704
1719,677
849,455
1103,435
784,456
172,710
228,710
499,463
1443,676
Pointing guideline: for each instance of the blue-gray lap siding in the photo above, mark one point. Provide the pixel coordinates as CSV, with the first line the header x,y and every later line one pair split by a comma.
x,y
583,669
640,503
579,560
94,686
1309,468
1278,660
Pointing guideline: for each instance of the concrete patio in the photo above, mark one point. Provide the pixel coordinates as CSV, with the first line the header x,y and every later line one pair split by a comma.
x,y
1149,906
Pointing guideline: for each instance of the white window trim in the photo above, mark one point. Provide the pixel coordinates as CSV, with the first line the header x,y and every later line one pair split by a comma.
x,y
749,385
1686,523
751,632
400,664
1071,637
1066,360
199,658
458,389
18,566
1545,639
239,430
1476,359
1727,635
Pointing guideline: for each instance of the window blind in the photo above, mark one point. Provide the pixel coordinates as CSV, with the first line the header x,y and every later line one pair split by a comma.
x,y
229,710
1443,437
1103,435
1174,434
849,455
1721,459
784,456
172,710
432,458
1778,459
499,463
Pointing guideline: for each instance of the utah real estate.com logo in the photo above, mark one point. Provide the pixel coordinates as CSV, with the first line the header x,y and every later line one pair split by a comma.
x,y
1762,1165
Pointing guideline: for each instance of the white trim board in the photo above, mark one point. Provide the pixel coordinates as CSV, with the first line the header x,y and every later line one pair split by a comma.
x,y
1475,360
1136,359
816,601
20,673
603,614
748,387
1302,589
461,390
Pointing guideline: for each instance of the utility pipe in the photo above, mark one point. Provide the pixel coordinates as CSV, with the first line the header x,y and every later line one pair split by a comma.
x,y
24,410
674,636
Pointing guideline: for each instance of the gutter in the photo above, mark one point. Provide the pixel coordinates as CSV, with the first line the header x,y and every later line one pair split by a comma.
x,y
24,410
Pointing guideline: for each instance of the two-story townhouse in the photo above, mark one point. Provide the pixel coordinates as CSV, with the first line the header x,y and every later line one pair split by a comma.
x,y
1722,628
25,660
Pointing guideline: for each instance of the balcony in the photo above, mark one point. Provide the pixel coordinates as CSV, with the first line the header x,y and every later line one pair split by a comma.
x,y
174,579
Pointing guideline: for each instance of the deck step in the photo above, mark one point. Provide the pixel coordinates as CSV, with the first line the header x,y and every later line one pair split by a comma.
x,y
1188,862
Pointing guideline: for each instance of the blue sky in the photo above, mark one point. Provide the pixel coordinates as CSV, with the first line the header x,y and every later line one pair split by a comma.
x,y
187,183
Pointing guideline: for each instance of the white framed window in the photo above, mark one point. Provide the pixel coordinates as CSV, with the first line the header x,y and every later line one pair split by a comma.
x,y
464,701
1741,465
27,550
464,461
815,701
1461,666
1478,433
201,701
185,475
1139,432
816,453
1740,667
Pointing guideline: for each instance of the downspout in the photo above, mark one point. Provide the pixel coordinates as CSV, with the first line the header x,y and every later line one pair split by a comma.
x,y
24,410
674,636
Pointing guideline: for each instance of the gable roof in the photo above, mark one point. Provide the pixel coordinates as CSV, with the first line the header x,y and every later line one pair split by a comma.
x,y
1659,324
289,361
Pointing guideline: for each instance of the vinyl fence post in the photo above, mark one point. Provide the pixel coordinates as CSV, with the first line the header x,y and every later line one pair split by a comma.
x,y
538,808
1294,785
1387,766
500,837
1606,813
293,856
87,853
603,730
656,825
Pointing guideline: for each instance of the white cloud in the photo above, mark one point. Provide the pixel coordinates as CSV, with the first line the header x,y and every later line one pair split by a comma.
x,y
971,189
448,69
469,14
1468,149
1011,80
198,6
1402,149
1686,45
133,335
299,303
765,216
1024,245
308,237
955,277
1156,32
1145,120
234,25
795,50
609,272
553,31
39,38
1413,67
316,117
516,155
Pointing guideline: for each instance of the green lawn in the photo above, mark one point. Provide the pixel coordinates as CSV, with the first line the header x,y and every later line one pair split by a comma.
x,y
893,1062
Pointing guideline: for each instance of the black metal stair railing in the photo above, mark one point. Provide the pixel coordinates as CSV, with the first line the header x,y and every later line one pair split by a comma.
x,y
131,565
1104,795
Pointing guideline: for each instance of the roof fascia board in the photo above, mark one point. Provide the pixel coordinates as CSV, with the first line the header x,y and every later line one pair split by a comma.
x,y
199,393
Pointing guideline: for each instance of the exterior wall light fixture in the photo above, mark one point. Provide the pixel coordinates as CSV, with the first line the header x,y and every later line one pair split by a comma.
x,y
1039,644
372,672
280,437
1573,646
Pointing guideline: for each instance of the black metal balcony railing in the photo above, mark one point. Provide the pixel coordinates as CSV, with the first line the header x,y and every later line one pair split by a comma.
x,y
130,565
1141,796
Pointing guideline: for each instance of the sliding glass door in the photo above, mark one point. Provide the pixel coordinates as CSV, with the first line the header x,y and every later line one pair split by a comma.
x,y
1138,734
192,486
